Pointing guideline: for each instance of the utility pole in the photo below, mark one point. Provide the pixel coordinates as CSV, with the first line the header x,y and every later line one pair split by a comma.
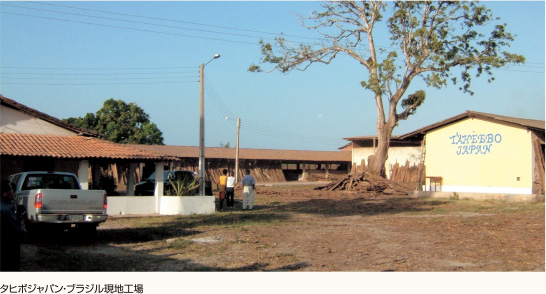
x,y
202,173
236,148
237,151
202,131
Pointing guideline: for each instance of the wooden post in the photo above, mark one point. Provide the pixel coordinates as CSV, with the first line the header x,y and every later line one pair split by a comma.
x,y
131,180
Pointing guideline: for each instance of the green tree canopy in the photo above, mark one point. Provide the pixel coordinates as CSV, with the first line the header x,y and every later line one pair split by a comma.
x,y
120,122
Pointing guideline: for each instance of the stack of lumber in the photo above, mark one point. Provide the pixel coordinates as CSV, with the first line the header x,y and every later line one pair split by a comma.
x,y
408,173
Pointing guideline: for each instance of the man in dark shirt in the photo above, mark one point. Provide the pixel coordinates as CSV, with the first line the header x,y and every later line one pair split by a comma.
x,y
12,231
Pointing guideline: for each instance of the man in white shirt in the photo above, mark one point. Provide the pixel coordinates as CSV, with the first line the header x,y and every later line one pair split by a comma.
x,y
230,190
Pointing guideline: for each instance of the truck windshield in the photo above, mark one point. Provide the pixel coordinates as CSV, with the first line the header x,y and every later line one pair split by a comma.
x,y
49,181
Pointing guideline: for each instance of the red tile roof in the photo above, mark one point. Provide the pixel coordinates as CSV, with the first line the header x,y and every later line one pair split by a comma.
x,y
244,153
76,147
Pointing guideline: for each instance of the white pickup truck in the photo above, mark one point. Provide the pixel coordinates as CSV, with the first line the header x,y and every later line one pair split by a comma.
x,y
57,199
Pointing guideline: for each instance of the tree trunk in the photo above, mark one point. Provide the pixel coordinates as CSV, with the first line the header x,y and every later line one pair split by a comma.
x,y
377,166
381,154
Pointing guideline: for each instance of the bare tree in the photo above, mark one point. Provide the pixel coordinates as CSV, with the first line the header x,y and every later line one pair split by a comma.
x,y
436,41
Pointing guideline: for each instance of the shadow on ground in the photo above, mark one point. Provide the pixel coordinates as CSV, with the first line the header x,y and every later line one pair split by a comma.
x,y
358,206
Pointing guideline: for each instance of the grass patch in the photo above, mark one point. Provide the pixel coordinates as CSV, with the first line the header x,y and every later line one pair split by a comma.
x,y
180,244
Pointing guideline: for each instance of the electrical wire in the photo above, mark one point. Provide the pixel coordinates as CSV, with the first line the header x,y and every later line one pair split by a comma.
x,y
132,29
92,84
136,22
201,24
94,74
172,20
262,129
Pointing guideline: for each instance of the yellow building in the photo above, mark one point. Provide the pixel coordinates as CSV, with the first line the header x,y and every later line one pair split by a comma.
x,y
473,152
485,153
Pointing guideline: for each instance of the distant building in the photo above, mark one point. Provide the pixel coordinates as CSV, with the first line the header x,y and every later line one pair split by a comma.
x,y
267,165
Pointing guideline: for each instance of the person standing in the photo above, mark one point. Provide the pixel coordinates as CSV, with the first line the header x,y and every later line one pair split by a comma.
x,y
12,231
249,185
222,188
230,190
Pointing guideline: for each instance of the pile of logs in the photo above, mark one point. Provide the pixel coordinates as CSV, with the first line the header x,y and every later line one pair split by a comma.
x,y
365,182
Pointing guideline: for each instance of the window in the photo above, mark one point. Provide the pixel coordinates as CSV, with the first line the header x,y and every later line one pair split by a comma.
x,y
49,181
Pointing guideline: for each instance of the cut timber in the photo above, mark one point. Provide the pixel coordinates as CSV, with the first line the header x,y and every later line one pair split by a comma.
x,y
365,182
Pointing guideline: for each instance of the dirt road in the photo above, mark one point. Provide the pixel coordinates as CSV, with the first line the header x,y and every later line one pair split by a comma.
x,y
296,228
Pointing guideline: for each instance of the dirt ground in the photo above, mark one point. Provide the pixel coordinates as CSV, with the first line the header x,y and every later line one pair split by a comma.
x,y
296,228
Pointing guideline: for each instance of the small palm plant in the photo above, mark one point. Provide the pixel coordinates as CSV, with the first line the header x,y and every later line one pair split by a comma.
x,y
183,186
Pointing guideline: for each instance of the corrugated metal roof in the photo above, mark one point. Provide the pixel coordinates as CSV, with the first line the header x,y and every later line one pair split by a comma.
x,y
245,153
519,122
514,121
75,147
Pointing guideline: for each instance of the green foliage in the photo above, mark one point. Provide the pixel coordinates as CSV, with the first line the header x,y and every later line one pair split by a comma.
x,y
413,101
120,122
89,121
183,186
227,145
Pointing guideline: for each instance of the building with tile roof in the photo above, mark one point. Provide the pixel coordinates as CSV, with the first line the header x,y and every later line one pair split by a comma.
x,y
18,118
268,165
470,152
33,140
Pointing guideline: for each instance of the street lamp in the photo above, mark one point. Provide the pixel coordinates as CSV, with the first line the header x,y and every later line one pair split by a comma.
x,y
202,127
237,149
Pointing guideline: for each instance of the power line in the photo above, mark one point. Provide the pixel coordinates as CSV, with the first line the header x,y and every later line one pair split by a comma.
x,y
146,23
171,20
97,68
94,84
134,22
95,79
132,29
94,74
265,130
163,19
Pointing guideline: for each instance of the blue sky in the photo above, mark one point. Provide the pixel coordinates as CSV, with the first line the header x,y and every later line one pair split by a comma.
x,y
67,64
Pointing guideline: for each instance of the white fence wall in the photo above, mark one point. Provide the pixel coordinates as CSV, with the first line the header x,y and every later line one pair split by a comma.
x,y
168,205
131,205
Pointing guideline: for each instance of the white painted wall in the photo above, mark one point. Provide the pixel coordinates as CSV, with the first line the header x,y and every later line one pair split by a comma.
x,y
12,121
127,205
170,205
396,155
174,205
